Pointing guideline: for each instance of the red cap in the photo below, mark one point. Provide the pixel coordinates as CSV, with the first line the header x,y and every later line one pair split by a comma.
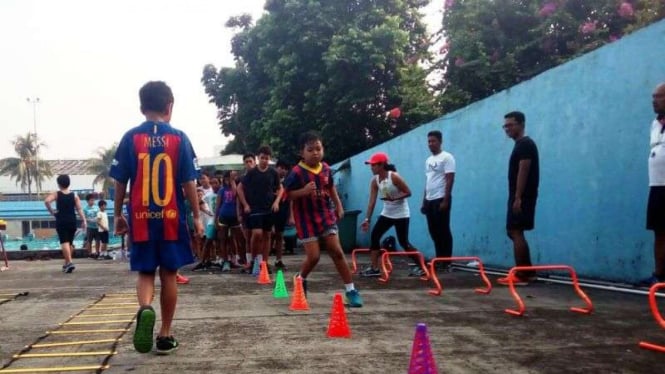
x,y
378,158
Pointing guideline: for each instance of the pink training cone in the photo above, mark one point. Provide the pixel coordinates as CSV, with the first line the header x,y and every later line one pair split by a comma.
x,y
422,360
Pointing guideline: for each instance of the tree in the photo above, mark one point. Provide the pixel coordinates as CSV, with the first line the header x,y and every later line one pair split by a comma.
x,y
333,66
27,168
100,166
492,45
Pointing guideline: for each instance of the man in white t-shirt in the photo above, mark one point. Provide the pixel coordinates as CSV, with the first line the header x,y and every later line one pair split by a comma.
x,y
656,205
440,173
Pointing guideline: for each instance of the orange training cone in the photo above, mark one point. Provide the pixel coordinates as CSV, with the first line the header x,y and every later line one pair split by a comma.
x,y
338,327
298,301
264,278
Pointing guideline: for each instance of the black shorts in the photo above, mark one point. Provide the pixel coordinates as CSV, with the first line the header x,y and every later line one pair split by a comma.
x,y
231,221
103,237
261,221
66,234
91,235
656,209
523,221
280,218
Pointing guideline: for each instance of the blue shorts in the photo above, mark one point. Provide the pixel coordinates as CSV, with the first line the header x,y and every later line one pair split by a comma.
x,y
169,255
210,231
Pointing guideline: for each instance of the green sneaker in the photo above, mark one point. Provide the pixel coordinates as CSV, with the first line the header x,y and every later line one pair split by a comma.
x,y
353,299
145,322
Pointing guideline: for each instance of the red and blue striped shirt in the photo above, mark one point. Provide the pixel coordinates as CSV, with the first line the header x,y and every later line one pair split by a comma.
x,y
313,214
157,159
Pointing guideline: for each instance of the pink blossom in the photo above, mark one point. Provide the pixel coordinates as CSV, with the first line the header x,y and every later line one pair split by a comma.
x,y
449,3
588,27
547,10
459,61
444,48
626,10
614,38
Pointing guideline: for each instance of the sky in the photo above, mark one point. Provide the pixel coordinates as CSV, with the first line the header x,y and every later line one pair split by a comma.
x,y
86,60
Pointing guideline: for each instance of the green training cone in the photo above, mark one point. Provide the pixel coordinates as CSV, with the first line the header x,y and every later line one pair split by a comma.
x,y
280,291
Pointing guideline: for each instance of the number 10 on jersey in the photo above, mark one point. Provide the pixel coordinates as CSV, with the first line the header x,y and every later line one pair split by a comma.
x,y
150,172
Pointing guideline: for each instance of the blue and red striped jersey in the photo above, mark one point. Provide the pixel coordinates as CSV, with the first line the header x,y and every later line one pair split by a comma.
x,y
313,214
156,159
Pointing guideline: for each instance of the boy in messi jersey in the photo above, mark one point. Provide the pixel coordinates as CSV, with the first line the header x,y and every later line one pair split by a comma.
x,y
159,163
316,209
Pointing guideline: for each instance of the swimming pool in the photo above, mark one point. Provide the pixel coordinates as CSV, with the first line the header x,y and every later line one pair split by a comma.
x,y
51,243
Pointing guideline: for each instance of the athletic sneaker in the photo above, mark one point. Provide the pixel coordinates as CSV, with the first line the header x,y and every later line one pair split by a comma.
x,y
181,279
199,266
247,269
145,323
417,271
353,299
517,281
226,267
370,272
166,345
69,268
279,265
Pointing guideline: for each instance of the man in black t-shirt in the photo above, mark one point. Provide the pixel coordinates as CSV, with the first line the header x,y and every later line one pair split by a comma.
x,y
523,178
259,194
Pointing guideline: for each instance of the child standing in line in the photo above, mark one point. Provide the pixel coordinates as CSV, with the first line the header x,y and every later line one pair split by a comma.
x,y
92,234
316,209
67,204
103,229
228,223
260,193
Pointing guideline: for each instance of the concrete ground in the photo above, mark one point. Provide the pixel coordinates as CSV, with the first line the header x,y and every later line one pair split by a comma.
x,y
229,323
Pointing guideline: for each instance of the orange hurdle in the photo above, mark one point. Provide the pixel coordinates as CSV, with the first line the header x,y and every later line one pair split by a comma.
x,y
437,291
573,276
364,250
656,315
386,264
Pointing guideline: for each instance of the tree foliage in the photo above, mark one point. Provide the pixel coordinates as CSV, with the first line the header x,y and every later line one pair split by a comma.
x,y
492,45
101,165
27,168
332,66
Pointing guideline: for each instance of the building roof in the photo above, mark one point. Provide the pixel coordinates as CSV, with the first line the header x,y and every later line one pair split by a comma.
x,y
31,210
71,167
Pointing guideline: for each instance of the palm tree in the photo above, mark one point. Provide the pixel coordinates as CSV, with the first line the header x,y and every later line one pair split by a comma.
x,y
27,168
100,167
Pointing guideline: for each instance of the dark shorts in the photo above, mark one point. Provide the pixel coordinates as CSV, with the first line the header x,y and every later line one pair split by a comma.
x,y
656,209
66,234
261,221
91,235
523,221
280,218
231,221
103,237
170,255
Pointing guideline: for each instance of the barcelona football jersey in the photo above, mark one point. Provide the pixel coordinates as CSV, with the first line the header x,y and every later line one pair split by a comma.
x,y
156,159
313,214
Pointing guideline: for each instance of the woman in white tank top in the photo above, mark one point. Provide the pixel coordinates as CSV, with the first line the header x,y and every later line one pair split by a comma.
x,y
393,190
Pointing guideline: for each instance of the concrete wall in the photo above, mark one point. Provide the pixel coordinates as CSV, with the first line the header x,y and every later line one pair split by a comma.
x,y
590,119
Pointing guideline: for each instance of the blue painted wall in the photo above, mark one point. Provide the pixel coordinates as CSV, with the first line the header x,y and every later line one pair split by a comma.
x,y
590,119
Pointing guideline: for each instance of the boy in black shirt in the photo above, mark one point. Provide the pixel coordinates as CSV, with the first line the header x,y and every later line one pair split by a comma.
x,y
260,193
